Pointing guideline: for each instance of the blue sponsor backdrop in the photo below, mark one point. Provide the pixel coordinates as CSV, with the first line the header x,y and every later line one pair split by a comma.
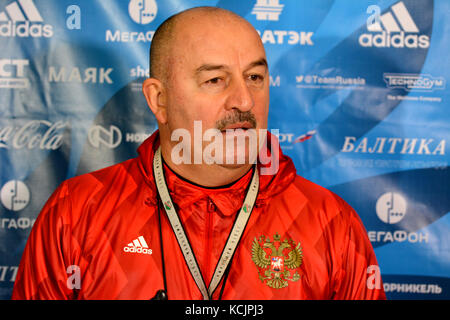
x,y
358,93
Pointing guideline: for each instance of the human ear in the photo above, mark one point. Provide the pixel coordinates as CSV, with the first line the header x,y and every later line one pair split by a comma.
x,y
154,93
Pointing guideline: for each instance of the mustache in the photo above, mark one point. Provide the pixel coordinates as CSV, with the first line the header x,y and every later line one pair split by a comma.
x,y
236,117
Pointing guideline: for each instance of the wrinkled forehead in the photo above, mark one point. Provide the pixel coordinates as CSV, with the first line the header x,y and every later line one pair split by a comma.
x,y
205,37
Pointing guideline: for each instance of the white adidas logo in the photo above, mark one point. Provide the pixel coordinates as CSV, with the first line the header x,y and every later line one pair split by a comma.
x,y
397,30
22,19
138,245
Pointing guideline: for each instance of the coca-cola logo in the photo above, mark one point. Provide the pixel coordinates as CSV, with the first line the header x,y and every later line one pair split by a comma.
x,y
41,134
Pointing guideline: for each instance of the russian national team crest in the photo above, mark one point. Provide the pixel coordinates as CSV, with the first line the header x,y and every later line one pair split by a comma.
x,y
277,261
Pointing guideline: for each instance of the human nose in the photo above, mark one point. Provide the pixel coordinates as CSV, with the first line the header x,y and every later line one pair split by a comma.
x,y
240,97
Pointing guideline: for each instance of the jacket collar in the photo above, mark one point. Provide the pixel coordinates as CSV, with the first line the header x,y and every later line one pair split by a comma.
x,y
229,198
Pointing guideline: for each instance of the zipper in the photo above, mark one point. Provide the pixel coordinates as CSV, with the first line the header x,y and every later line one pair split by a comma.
x,y
211,208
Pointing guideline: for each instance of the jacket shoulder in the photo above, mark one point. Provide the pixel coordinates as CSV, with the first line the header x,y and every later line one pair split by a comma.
x,y
92,189
105,179
318,199
316,192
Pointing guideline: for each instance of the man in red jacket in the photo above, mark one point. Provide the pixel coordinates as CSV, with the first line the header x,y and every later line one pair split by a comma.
x,y
199,229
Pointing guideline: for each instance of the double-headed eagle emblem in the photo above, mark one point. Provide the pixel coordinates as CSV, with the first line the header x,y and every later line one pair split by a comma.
x,y
280,256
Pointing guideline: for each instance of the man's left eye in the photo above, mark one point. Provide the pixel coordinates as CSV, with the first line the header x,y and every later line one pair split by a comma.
x,y
214,80
255,77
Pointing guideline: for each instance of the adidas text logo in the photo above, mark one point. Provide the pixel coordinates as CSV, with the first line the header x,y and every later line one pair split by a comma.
x,y
21,18
138,245
396,30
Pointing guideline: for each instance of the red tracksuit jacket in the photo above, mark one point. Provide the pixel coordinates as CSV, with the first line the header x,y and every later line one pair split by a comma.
x,y
98,237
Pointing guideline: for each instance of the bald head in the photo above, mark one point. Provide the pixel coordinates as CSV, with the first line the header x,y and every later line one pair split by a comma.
x,y
165,36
